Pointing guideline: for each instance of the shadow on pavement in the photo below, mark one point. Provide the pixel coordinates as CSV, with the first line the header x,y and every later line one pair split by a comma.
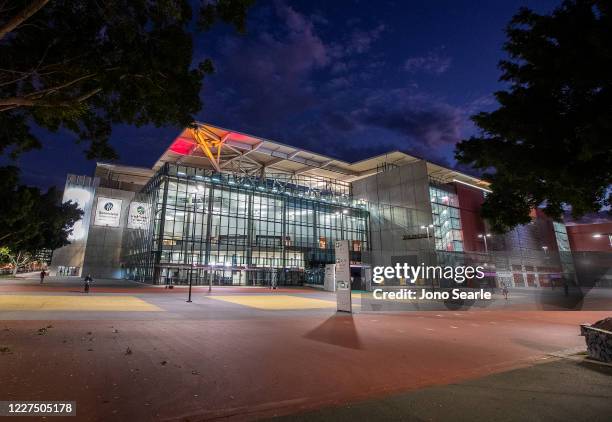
x,y
338,330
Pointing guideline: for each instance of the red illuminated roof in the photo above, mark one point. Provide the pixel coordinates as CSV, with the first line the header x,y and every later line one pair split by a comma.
x,y
209,146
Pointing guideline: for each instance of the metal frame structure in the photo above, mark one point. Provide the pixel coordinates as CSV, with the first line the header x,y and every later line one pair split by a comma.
x,y
224,150
217,161
212,227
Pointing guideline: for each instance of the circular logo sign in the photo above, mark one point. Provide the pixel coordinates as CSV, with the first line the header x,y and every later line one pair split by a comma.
x,y
108,206
140,210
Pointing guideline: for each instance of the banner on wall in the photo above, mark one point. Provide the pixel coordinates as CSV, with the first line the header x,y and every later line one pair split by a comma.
x,y
108,212
138,216
82,196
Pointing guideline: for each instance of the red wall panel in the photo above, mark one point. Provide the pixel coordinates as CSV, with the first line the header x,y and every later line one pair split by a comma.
x,y
470,201
581,237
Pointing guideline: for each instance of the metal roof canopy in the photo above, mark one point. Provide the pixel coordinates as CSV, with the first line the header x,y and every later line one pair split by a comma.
x,y
208,146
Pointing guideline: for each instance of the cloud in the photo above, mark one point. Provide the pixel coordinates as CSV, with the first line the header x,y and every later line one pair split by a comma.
x,y
290,84
360,41
362,123
269,74
602,217
339,121
432,63
339,83
420,118
286,70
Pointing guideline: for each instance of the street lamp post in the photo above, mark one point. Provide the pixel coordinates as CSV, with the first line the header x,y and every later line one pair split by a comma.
x,y
484,236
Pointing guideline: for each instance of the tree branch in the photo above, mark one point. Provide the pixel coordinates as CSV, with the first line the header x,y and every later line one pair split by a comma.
x,y
6,236
34,99
22,16
43,92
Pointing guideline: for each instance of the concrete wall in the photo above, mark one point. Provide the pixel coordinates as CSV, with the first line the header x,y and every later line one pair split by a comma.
x,y
81,190
399,206
103,250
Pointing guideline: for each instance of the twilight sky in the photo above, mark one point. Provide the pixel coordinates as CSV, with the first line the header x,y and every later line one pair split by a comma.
x,y
348,79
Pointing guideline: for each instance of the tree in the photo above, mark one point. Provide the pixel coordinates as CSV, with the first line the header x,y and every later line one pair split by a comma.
x,y
550,141
83,66
30,220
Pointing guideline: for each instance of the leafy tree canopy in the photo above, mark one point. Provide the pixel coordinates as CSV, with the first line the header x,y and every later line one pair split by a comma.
x,y
550,141
31,220
83,66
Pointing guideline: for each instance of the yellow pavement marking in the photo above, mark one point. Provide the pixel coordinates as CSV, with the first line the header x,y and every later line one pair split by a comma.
x,y
75,303
276,302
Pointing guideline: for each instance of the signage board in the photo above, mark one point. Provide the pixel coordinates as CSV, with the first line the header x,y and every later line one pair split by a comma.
x,y
138,215
343,276
329,283
108,212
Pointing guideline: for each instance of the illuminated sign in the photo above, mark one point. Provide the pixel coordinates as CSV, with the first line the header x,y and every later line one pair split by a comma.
x,y
108,212
138,216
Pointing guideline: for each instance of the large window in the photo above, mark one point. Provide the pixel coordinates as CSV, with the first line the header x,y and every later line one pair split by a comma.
x,y
561,237
211,226
446,218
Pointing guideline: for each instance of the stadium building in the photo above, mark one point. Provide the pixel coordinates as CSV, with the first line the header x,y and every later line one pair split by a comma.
x,y
226,208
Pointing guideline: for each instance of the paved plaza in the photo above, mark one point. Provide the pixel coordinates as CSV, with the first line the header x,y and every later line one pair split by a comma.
x,y
128,351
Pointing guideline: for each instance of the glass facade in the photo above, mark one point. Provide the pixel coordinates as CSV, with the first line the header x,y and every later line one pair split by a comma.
x,y
446,218
231,229
561,237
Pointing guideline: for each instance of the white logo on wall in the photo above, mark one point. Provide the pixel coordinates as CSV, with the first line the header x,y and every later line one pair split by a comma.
x,y
108,212
138,217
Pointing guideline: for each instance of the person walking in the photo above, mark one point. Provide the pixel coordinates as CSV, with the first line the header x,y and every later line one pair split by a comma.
x,y
505,291
42,276
88,281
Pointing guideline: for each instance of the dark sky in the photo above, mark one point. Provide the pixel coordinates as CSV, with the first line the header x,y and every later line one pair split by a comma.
x,y
344,78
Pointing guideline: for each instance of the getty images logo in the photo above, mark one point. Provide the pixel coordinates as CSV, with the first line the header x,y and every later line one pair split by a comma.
x,y
108,206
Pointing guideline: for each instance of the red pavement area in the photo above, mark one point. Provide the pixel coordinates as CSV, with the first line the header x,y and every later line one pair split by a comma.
x,y
251,368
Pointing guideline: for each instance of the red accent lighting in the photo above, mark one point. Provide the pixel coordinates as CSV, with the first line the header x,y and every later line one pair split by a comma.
x,y
181,146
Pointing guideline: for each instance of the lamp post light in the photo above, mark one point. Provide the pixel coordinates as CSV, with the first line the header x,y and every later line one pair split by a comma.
x,y
600,235
430,226
484,236
545,248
